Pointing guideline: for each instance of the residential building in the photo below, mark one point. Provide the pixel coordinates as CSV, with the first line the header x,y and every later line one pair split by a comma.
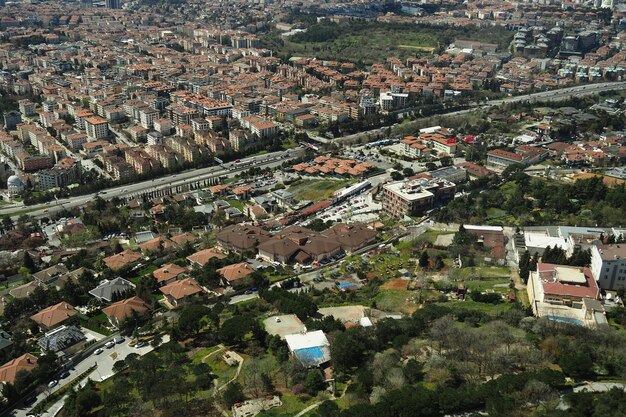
x,y
312,349
608,265
12,119
48,275
108,290
181,292
410,198
241,238
233,275
168,274
27,108
51,317
64,341
97,127
200,258
121,310
565,293
9,370
122,259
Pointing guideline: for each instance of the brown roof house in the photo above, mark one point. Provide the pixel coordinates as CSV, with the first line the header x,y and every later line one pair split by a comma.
x,y
242,238
233,275
53,316
122,259
180,292
9,370
200,258
119,311
168,274
351,236
298,244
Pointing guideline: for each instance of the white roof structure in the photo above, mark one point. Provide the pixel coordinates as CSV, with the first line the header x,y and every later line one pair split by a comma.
x,y
534,240
306,340
485,228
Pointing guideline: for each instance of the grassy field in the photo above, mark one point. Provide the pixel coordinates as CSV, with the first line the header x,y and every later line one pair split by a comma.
x,y
292,405
367,46
317,190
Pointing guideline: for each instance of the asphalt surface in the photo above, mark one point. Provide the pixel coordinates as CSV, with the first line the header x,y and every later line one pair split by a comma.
x,y
131,190
104,370
552,95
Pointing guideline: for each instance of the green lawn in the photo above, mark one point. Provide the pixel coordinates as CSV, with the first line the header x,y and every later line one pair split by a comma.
x,y
316,190
236,204
292,404
96,323
202,353
482,307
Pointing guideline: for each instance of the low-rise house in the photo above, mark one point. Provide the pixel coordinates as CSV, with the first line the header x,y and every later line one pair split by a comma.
x,y
351,236
108,290
122,259
202,257
64,341
46,276
5,341
180,292
312,349
233,275
119,311
241,238
168,274
9,370
53,316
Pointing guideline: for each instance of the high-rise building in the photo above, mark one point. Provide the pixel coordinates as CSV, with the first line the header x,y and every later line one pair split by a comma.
x,y
113,4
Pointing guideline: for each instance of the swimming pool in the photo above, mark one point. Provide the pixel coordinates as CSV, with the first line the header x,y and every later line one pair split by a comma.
x,y
567,320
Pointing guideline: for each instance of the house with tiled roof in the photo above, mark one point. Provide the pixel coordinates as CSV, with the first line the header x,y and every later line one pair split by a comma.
x,y
168,274
119,311
123,259
9,370
233,275
200,258
180,292
53,316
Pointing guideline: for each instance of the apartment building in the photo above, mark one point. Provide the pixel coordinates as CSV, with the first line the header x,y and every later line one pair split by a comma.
x,y
32,163
27,108
410,198
76,141
66,172
97,127
185,147
141,162
118,168
608,265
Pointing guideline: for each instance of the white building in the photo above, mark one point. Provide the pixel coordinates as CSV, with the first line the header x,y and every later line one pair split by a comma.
x,y
608,265
312,348
15,185
97,127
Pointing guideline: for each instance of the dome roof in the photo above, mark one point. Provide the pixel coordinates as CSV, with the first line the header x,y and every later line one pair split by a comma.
x,y
14,180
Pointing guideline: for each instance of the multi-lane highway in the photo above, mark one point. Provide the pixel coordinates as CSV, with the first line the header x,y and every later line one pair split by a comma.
x,y
552,95
176,180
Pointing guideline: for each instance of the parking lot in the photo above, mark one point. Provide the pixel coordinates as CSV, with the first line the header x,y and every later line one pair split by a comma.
x,y
283,325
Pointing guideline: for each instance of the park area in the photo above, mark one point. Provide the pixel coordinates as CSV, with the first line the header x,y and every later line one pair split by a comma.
x,y
316,190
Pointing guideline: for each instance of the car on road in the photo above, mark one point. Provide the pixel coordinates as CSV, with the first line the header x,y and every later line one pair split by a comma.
x,y
119,339
141,344
98,351
33,415
64,375
52,383
109,344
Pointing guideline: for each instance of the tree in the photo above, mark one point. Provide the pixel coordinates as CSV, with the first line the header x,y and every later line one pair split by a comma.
x,y
314,382
424,260
233,394
28,262
234,329
190,320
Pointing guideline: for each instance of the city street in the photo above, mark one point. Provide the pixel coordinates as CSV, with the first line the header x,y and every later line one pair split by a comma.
x,y
131,190
104,370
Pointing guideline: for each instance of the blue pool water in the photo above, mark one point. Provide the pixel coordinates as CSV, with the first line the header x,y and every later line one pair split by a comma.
x,y
567,320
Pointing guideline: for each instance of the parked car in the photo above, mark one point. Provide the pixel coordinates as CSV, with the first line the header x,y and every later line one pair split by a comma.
x,y
98,351
141,344
119,339
52,383
109,344
64,375
277,319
